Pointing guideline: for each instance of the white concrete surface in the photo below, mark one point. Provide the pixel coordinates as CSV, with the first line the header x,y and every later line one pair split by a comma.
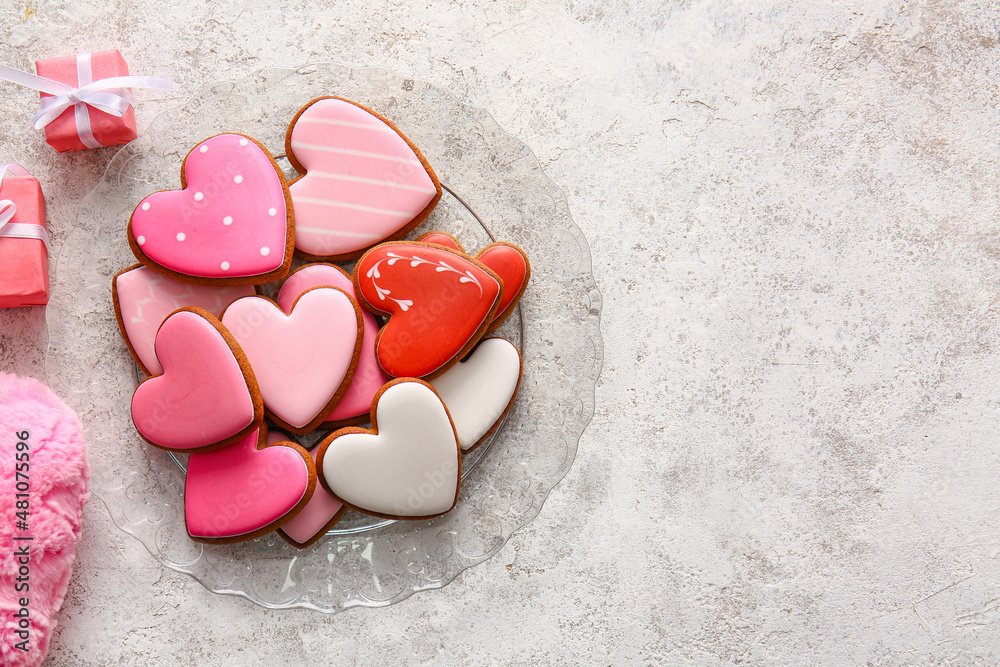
x,y
792,209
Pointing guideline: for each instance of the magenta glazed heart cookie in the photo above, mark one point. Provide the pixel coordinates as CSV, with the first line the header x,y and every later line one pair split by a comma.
x,y
245,490
230,223
207,395
362,181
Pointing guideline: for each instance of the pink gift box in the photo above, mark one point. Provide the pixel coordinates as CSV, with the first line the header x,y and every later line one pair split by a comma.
x,y
63,134
24,263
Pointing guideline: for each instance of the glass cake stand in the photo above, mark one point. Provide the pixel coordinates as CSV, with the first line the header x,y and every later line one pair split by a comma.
x,y
494,189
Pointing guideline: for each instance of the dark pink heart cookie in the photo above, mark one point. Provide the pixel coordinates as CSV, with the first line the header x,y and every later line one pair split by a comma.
x,y
207,395
230,223
247,489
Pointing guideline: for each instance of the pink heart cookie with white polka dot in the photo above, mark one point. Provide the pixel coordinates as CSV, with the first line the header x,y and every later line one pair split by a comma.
x,y
231,223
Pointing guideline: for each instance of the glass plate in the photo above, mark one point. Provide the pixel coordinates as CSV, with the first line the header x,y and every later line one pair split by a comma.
x,y
495,188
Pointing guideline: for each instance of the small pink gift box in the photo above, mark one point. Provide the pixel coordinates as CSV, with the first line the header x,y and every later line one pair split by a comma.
x,y
24,256
81,127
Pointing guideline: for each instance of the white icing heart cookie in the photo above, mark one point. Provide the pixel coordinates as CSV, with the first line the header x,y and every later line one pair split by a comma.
x,y
407,466
479,390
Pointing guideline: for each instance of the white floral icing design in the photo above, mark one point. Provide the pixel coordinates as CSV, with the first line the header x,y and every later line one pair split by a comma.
x,y
415,261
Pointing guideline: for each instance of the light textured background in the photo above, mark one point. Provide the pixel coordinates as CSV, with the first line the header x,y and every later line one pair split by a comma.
x,y
792,209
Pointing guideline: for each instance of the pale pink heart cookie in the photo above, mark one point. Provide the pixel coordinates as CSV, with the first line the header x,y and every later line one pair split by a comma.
x,y
408,466
207,395
303,360
363,181
479,390
231,223
144,298
318,516
368,378
247,489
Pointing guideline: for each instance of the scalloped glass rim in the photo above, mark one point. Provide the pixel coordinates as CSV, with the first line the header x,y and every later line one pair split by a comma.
x,y
496,176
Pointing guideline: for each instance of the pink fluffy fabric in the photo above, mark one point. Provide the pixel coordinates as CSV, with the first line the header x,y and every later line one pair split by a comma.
x,y
56,476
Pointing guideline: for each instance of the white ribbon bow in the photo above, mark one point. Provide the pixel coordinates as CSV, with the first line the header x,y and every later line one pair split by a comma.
x,y
8,208
109,95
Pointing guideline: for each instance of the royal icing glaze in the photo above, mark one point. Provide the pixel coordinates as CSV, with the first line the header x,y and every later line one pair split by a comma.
x,y
363,181
442,238
510,264
506,260
316,517
478,390
229,222
144,298
368,377
245,489
302,360
439,303
407,467
202,398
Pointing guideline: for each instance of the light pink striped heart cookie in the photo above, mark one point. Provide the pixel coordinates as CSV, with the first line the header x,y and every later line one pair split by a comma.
x,y
362,181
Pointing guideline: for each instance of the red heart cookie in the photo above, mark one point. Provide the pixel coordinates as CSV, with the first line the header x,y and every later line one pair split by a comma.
x,y
510,263
207,395
438,301
230,223
505,259
246,490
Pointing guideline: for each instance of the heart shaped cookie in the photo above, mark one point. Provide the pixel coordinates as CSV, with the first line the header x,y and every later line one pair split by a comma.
x,y
506,260
229,224
144,298
407,466
303,360
439,304
207,395
362,181
316,517
479,390
247,489
368,378
511,264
